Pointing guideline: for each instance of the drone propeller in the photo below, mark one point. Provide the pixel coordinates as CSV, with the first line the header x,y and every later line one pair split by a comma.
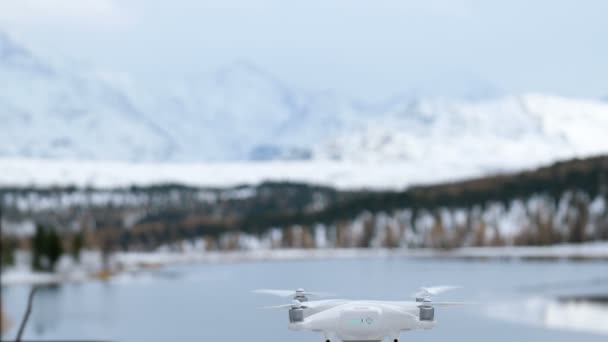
x,y
452,303
290,293
295,304
427,292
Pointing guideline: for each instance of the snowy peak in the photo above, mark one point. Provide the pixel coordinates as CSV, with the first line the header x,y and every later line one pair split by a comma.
x,y
53,111
18,58
9,50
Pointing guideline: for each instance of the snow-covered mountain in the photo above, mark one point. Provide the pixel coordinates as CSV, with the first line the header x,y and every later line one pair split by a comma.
x,y
55,112
241,113
497,133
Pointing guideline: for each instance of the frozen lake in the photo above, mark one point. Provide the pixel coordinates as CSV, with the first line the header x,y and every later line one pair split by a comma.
x,y
214,302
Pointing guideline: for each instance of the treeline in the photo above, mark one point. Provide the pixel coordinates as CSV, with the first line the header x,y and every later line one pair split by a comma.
x,y
563,202
589,176
284,206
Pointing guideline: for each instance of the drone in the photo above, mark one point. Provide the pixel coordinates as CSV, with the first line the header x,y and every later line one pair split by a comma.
x,y
360,320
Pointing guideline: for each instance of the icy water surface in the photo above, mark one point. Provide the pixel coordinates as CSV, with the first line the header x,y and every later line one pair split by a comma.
x,y
205,302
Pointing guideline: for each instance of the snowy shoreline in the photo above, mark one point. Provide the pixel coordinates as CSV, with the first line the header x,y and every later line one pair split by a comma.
x,y
134,262
587,251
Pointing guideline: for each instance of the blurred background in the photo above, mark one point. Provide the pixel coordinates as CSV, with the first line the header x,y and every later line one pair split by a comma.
x,y
159,160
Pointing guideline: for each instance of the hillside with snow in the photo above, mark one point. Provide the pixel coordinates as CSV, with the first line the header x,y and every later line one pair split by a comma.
x,y
71,122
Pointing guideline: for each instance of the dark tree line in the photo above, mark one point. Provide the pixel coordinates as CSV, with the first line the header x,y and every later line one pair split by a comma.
x,y
172,212
284,205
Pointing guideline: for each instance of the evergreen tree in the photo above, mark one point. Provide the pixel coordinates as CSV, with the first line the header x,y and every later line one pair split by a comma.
x,y
46,249
77,243
54,249
8,246
38,246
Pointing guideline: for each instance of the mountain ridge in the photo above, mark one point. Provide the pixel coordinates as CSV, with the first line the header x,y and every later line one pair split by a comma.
x,y
243,112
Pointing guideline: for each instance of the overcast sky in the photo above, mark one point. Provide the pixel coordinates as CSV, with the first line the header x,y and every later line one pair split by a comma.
x,y
366,49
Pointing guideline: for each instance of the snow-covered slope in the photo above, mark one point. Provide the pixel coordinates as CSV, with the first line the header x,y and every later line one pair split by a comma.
x,y
239,113
494,134
56,112
242,112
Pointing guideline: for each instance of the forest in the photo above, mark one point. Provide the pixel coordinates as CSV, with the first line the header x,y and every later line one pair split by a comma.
x,y
560,203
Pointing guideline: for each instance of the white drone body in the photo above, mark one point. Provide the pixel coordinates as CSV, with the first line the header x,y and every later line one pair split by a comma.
x,y
360,320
